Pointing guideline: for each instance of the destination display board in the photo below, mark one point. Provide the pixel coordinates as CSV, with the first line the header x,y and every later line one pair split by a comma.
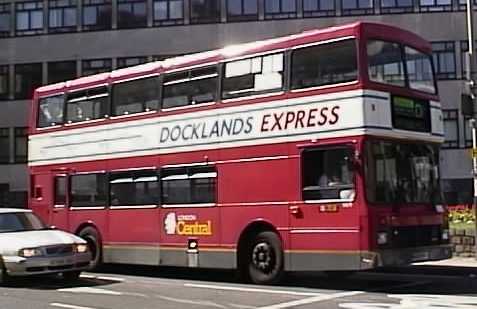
x,y
411,114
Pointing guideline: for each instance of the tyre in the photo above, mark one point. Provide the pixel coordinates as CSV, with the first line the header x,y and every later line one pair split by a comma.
x,y
4,277
264,259
71,275
91,236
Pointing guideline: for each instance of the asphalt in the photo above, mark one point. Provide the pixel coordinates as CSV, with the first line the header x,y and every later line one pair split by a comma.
x,y
452,262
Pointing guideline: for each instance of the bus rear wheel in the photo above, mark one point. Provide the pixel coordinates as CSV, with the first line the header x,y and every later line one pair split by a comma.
x,y
91,235
265,258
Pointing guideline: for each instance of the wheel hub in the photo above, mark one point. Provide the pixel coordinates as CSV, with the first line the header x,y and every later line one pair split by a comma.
x,y
263,257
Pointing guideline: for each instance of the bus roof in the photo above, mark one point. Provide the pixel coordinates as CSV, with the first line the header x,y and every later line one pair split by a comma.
x,y
357,29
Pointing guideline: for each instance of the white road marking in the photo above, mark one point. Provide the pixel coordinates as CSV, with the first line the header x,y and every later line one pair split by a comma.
x,y
103,278
310,300
416,301
240,306
69,306
192,302
89,290
253,290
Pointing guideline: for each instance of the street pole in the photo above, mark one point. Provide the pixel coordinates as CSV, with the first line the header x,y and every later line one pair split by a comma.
x,y
472,122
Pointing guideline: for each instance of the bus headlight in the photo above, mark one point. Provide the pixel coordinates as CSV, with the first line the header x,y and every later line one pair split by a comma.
x,y
382,238
445,234
30,252
81,248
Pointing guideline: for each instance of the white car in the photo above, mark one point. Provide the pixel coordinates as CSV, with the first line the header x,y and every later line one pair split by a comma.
x,y
29,247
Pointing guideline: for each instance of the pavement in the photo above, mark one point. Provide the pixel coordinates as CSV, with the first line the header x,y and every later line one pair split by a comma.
x,y
452,262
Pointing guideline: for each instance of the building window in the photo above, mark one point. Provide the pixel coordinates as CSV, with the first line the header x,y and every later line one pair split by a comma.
x,y
463,5
61,71
87,105
467,132
396,6
357,7
168,12
21,139
253,76
314,8
130,61
132,13
4,145
61,15
136,96
5,19
96,66
29,18
324,64
97,14
451,128
328,174
444,60
134,188
242,10
88,190
204,11
435,5
4,82
189,185
28,77
191,87
278,9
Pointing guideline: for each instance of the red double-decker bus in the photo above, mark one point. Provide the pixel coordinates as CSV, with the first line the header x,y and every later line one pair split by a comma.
x,y
315,151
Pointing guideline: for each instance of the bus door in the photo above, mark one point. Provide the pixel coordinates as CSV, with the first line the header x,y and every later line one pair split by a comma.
x,y
59,213
41,195
324,226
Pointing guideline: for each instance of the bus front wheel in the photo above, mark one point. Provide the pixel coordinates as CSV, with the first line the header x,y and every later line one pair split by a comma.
x,y
91,235
265,258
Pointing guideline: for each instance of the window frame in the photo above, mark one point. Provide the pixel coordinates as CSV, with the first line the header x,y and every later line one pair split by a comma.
x,y
85,98
27,93
280,14
289,66
319,12
396,8
138,21
168,21
52,64
62,9
242,16
353,186
20,8
5,136
86,65
434,7
5,12
92,206
266,92
208,19
133,173
187,174
113,105
436,59
5,76
106,6
451,115
164,83
20,133
357,10
56,182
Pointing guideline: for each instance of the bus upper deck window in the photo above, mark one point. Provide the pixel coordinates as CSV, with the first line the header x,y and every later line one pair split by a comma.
x,y
50,111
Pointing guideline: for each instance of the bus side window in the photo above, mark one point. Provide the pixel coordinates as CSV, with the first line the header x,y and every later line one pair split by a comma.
x,y
60,190
189,185
328,174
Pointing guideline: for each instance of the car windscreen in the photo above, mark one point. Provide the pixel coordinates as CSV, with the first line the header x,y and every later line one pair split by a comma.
x,y
19,222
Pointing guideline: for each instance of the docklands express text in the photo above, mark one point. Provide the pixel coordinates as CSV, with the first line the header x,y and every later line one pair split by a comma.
x,y
279,121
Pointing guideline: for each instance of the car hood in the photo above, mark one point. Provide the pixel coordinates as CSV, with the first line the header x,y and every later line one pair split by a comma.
x,y
31,239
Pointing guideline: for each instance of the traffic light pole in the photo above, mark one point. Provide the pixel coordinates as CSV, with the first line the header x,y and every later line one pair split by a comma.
x,y
473,125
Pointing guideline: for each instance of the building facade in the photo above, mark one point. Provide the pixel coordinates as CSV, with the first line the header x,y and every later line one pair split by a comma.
x,y
45,41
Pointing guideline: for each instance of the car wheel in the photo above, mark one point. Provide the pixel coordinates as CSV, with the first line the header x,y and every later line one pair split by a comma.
x,y
265,258
71,275
91,236
4,277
